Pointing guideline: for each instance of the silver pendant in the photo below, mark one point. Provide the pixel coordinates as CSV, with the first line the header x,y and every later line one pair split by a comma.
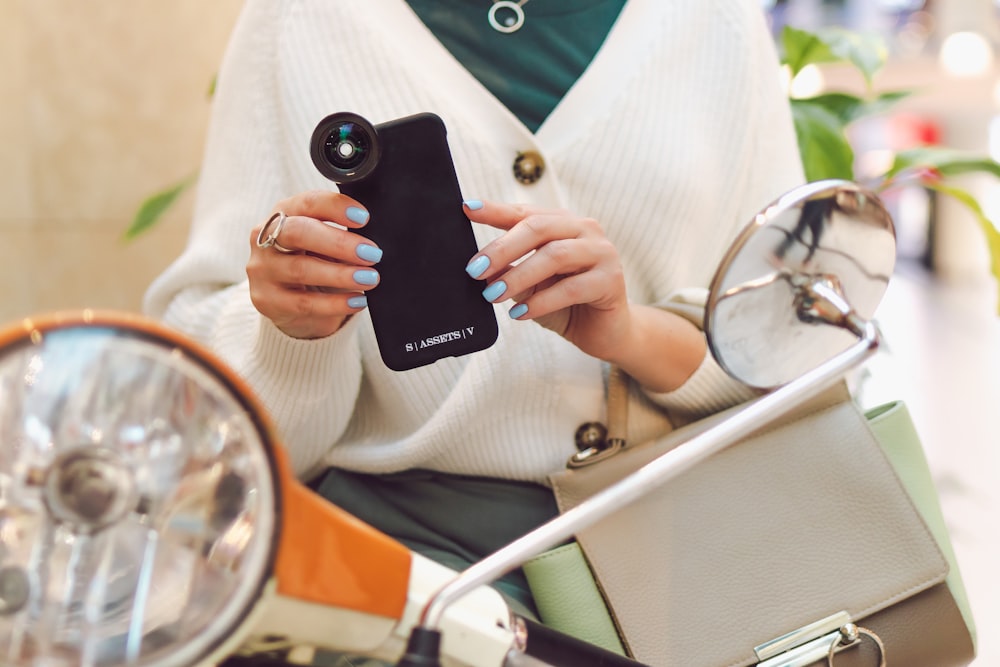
x,y
510,20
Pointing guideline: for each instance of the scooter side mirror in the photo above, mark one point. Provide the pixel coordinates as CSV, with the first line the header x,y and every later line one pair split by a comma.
x,y
822,253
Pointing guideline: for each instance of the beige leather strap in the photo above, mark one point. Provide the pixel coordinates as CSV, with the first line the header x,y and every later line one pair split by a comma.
x,y
598,442
618,381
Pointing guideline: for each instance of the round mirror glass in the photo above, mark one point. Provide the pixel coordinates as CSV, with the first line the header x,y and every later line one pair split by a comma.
x,y
137,500
834,233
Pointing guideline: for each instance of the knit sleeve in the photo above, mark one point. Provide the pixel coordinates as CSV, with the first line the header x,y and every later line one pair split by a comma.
x,y
308,386
709,389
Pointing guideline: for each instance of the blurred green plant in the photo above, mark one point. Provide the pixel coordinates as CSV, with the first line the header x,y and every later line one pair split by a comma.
x,y
153,207
822,122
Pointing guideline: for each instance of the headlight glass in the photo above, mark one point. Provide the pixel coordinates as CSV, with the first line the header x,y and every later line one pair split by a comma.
x,y
137,500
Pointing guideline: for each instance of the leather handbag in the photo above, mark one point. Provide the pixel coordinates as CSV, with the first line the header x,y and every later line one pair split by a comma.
x,y
769,552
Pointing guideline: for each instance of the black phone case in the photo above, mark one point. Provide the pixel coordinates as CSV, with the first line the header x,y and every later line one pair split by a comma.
x,y
425,307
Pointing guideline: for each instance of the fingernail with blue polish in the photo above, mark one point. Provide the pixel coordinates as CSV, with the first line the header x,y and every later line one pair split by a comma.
x,y
478,266
358,215
366,277
495,291
357,301
473,204
369,253
517,311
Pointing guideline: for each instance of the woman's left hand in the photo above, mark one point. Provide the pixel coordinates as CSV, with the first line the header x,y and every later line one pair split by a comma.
x,y
570,279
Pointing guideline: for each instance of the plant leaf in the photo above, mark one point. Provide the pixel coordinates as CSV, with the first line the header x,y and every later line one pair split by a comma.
x,y
946,161
800,48
883,102
153,208
845,107
867,52
823,146
985,224
849,108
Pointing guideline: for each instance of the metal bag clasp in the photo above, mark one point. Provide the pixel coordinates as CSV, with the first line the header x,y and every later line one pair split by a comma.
x,y
815,642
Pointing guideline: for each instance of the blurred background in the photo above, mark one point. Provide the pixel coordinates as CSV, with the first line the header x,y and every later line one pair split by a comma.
x,y
106,103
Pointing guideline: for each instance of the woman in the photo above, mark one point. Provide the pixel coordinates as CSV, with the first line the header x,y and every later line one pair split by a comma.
x,y
623,143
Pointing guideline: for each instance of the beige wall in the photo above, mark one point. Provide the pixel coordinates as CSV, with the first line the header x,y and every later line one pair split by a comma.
x,y
103,103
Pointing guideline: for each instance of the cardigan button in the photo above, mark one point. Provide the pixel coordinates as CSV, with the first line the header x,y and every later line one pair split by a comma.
x,y
528,167
590,435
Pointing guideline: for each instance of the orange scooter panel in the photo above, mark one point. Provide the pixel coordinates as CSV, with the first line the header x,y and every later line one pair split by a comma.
x,y
329,557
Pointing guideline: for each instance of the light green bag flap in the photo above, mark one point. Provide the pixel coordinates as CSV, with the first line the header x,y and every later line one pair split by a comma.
x,y
567,598
894,429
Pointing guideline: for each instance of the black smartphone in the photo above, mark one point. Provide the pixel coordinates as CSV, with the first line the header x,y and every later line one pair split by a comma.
x,y
425,307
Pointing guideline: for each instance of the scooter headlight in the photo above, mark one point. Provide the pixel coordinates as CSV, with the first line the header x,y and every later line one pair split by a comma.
x,y
138,496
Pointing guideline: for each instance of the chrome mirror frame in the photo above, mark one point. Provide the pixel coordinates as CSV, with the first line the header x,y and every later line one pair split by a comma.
x,y
823,253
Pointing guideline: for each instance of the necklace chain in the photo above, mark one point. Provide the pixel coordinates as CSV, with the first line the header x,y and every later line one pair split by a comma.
x,y
506,16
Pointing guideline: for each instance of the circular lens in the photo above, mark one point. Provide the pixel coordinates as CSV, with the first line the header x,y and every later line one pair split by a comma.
x,y
137,500
344,147
347,147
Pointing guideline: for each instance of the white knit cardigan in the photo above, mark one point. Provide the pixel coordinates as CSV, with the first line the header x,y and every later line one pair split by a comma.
x,y
676,134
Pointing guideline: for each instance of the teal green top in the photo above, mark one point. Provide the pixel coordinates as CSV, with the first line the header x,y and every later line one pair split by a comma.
x,y
531,69
456,520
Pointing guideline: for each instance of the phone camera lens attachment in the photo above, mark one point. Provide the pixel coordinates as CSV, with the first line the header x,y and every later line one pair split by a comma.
x,y
344,147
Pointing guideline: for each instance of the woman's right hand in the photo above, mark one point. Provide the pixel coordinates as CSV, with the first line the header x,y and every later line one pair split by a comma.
x,y
314,275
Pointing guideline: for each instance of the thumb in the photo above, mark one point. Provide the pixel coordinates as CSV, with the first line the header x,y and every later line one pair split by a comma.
x,y
495,214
